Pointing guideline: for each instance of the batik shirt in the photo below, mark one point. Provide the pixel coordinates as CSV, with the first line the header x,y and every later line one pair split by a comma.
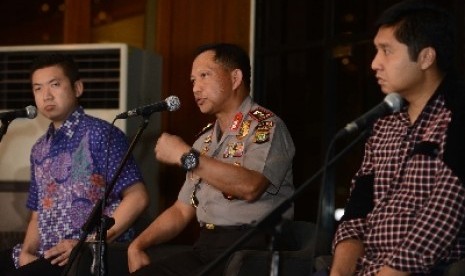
x,y
258,140
407,205
69,166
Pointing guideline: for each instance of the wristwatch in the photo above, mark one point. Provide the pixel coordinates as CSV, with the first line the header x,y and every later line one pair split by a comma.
x,y
190,160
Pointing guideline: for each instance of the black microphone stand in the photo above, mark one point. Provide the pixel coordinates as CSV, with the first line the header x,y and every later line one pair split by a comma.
x,y
273,220
4,127
97,220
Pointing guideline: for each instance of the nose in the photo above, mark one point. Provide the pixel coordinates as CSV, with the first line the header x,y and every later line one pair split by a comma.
x,y
196,87
375,63
47,94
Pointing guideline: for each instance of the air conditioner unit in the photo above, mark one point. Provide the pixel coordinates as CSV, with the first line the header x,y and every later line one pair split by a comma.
x,y
116,78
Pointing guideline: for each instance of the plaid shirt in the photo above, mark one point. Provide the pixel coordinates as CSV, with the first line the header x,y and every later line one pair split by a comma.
x,y
417,203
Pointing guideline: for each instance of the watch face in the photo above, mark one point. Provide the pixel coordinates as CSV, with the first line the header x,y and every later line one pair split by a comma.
x,y
190,161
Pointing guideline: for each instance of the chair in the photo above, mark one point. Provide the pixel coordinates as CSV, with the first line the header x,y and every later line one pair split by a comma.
x,y
295,257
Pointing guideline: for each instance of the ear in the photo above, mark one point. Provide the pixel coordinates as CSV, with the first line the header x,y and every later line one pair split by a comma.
x,y
78,88
427,57
236,77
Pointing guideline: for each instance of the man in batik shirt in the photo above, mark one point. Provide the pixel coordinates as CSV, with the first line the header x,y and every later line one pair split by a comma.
x,y
70,165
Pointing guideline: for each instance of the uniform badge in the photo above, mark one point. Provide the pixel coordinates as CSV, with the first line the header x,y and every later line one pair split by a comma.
x,y
234,150
238,149
261,136
265,125
260,114
244,130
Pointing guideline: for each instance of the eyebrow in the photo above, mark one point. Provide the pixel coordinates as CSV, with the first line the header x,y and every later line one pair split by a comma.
x,y
48,82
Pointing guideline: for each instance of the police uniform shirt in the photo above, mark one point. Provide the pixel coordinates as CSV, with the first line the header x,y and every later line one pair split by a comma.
x,y
257,140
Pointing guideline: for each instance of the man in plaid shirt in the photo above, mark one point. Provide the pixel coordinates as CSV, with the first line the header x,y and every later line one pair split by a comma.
x,y
406,209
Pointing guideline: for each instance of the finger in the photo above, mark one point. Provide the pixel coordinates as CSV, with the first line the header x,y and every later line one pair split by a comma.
x,y
64,262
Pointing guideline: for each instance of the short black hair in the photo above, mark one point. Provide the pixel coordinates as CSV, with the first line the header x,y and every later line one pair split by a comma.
x,y
231,56
420,24
66,62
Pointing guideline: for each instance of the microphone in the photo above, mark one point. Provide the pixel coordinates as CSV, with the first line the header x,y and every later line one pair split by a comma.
x,y
169,104
391,103
27,112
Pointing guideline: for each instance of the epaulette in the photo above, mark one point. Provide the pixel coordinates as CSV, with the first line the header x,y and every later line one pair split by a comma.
x,y
261,114
205,129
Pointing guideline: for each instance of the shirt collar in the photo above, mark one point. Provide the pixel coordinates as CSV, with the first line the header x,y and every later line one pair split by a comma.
x,y
69,126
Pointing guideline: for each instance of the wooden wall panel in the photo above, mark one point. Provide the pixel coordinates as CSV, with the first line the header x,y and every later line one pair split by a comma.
x,y
76,21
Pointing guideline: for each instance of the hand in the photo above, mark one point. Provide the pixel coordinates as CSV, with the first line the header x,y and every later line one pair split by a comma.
x,y
136,259
170,148
59,254
26,257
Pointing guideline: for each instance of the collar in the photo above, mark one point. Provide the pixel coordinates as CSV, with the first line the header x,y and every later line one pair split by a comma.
x,y
69,126
241,114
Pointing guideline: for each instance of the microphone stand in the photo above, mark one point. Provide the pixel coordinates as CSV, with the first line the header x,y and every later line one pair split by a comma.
x,y
4,128
274,220
97,220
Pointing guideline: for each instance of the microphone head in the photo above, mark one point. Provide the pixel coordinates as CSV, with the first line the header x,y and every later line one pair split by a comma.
x,y
31,111
394,101
172,103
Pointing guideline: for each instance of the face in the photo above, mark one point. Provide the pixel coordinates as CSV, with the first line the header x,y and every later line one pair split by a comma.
x,y
55,96
394,69
212,84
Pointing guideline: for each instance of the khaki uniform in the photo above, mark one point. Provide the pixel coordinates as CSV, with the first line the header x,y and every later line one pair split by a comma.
x,y
258,140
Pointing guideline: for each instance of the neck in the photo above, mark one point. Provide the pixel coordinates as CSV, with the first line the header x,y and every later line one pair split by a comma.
x,y
419,99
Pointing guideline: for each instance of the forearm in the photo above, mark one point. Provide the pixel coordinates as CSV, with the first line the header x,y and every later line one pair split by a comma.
x,y
228,178
345,258
135,200
31,239
231,179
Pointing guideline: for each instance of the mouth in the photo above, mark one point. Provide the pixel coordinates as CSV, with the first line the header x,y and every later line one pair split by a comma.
x,y
380,80
49,107
200,101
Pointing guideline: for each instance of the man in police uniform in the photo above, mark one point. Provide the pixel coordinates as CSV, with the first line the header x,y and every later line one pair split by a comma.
x,y
238,170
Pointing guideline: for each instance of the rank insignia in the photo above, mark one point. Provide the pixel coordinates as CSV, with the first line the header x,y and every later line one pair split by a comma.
x,y
260,114
261,136
237,121
244,130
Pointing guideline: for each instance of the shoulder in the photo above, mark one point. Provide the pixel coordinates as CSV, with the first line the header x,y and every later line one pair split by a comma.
x,y
204,130
99,131
260,113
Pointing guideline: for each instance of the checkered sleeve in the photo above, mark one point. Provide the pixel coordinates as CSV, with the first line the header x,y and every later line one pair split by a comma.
x,y
352,227
349,229
435,227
